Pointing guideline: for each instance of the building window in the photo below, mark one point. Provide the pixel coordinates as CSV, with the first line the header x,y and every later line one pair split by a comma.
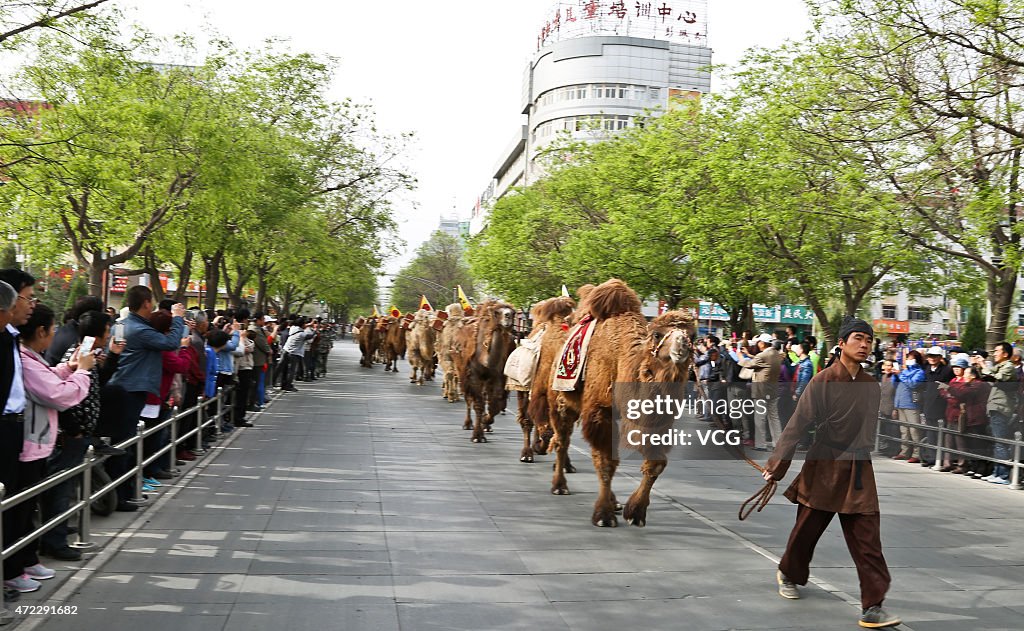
x,y
919,314
599,91
889,312
1020,319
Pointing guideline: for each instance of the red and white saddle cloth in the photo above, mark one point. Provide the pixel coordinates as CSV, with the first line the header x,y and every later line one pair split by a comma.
x,y
569,370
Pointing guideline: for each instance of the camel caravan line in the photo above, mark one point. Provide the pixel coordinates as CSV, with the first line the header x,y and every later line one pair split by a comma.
x,y
562,373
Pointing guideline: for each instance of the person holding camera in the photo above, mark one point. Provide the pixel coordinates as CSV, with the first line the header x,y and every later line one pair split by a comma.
x,y
908,406
139,374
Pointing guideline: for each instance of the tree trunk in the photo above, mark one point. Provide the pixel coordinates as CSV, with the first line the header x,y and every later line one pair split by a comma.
x,y
184,276
212,264
96,276
153,271
1000,289
261,290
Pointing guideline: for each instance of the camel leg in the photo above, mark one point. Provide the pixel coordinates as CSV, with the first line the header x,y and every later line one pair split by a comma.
x,y
468,424
479,406
560,446
412,377
494,392
526,455
604,506
635,510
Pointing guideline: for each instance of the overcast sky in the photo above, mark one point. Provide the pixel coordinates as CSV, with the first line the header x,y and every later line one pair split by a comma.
x,y
451,72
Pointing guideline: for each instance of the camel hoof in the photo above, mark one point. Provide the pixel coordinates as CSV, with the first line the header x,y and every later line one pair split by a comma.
x,y
570,469
479,439
526,459
488,429
605,521
618,507
467,427
559,490
635,515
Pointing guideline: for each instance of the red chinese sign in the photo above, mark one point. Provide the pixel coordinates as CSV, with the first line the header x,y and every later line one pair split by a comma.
x,y
683,21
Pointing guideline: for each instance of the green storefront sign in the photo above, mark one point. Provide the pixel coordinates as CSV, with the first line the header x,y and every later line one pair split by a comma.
x,y
796,314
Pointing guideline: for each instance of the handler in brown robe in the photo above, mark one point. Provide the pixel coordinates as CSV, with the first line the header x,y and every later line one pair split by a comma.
x,y
841,402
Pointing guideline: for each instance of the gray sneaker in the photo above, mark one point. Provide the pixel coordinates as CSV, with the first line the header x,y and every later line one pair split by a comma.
x,y
787,588
877,618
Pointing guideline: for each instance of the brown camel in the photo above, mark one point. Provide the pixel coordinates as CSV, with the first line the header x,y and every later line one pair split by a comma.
x,y
420,347
624,348
369,340
547,409
446,350
485,342
393,343
549,316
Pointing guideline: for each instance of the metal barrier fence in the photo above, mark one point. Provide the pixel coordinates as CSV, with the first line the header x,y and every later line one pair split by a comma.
x,y
224,402
941,449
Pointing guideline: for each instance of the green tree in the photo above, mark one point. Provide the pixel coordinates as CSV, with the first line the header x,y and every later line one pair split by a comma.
x,y
933,87
79,288
438,266
973,335
21,17
8,256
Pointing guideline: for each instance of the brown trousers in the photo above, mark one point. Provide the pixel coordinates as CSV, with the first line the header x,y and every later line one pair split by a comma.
x,y
862,539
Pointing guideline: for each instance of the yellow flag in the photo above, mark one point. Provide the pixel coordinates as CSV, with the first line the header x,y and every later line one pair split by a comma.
x,y
395,313
424,303
463,300
375,314
565,292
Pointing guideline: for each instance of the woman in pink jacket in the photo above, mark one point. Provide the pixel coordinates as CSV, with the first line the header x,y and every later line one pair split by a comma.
x,y
48,391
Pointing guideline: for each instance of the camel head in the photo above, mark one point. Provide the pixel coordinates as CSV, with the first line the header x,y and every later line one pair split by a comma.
x,y
669,343
455,311
501,314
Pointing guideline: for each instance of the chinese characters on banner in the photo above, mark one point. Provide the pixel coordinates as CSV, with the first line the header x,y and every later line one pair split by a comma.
x,y
783,314
683,21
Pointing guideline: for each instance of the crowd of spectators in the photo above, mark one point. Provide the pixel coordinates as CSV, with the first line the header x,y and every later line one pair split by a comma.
x,y
974,395
90,380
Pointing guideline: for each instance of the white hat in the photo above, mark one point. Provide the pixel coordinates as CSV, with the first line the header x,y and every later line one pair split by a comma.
x,y
123,313
936,350
764,337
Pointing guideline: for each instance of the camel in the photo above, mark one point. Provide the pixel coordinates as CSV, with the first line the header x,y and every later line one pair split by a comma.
x,y
369,340
445,348
420,347
547,409
484,343
393,343
624,348
549,316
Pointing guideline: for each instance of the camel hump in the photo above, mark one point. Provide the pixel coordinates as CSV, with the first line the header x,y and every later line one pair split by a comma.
x,y
553,309
611,298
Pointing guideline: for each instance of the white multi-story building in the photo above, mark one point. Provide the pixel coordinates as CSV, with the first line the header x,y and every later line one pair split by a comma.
x,y
599,66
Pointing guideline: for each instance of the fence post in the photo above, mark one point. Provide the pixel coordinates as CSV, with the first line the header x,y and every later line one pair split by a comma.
x,y
3,609
174,439
878,434
939,443
1015,470
139,457
220,409
85,516
199,426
